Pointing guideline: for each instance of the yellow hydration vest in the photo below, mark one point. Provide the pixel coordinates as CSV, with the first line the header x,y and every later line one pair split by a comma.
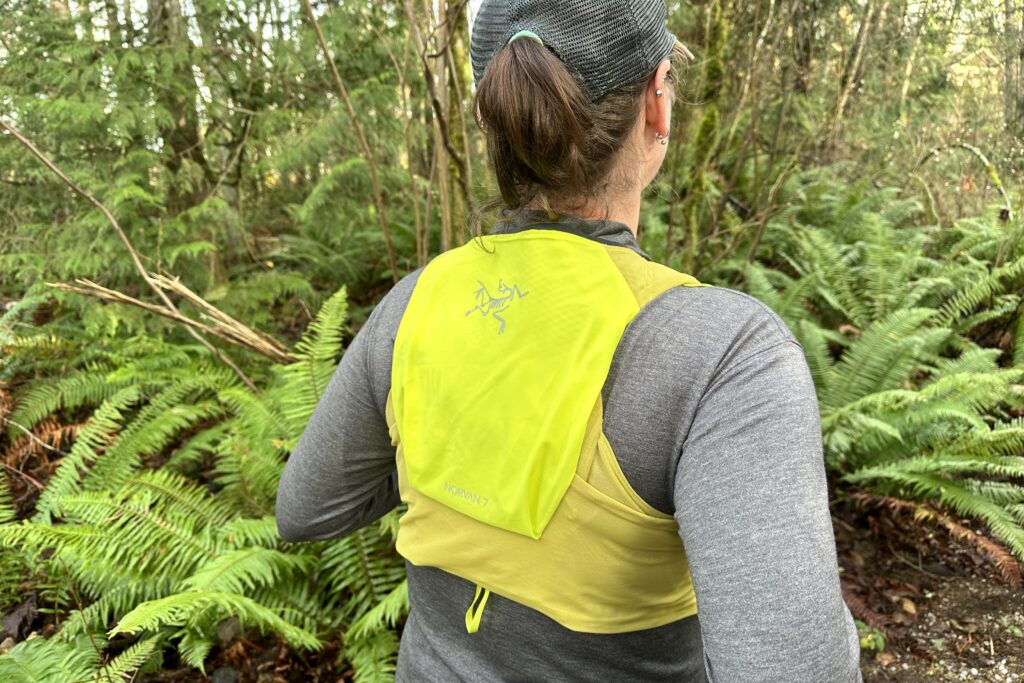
x,y
496,410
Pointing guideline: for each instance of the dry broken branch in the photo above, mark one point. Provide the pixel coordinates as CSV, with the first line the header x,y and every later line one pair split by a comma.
x,y
136,259
223,326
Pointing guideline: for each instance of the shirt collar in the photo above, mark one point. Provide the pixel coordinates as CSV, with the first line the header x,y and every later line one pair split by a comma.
x,y
606,232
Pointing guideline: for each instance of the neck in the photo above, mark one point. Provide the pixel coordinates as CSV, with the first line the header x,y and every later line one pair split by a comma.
x,y
622,208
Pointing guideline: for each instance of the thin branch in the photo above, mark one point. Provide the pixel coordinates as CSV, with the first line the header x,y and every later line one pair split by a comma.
x,y
378,193
235,156
990,168
251,338
232,333
136,259
27,477
31,435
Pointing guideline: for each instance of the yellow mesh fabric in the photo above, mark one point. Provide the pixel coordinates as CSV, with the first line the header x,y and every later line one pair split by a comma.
x,y
496,412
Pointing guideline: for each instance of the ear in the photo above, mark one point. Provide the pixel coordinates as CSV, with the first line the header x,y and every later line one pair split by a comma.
x,y
658,109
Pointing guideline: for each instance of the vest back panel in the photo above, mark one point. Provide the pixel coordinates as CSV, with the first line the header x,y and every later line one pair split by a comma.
x,y
496,412
499,358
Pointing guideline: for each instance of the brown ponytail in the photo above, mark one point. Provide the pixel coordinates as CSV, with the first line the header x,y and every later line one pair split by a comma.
x,y
546,140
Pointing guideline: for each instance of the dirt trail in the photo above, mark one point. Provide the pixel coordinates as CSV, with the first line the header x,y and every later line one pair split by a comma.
x,y
941,604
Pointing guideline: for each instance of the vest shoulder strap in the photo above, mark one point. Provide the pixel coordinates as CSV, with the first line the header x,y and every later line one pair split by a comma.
x,y
647,280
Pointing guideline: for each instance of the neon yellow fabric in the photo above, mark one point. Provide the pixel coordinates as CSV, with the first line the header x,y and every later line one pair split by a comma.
x,y
496,412
525,411
476,609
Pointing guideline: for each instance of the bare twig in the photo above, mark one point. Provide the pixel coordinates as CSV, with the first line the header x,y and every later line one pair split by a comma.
x,y
990,168
136,259
31,435
27,477
378,193
224,327
258,341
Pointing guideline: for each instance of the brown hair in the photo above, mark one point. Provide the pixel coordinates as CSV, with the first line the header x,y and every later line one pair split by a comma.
x,y
545,138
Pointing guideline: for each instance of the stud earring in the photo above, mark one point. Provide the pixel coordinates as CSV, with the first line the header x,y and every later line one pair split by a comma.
x,y
661,138
659,93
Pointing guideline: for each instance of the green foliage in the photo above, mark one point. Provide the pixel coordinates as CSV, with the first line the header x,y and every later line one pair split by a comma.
x,y
870,638
216,139
888,315
46,661
159,556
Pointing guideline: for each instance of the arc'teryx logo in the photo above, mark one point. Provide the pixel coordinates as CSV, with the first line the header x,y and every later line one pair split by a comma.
x,y
489,305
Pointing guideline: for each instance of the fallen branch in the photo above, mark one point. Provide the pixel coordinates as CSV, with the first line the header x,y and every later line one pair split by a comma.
x,y
245,335
136,259
224,327
1009,567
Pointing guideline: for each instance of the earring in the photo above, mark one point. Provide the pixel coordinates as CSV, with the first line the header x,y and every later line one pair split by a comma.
x,y
663,139
659,92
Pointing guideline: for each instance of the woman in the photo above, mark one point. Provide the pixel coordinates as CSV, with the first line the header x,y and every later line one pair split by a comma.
x,y
569,416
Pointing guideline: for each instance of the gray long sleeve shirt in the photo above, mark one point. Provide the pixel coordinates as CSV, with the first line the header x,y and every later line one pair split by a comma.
x,y
712,414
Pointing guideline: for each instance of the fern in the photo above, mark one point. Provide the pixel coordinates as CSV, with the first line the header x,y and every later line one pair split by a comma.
x,y
911,406
42,661
188,607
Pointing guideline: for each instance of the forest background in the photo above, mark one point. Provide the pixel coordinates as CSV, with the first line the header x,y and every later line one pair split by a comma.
x,y
201,201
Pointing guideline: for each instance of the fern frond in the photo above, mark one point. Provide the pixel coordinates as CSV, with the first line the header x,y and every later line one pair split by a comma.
x,y
969,298
374,658
260,532
880,359
363,567
44,661
384,614
317,353
124,666
88,387
182,608
245,569
179,497
92,438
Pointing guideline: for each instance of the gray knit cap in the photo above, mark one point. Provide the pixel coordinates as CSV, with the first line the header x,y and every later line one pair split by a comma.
x,y
604,44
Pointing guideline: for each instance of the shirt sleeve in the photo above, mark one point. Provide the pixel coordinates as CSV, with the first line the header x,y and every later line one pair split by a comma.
x,y
751,501
341,475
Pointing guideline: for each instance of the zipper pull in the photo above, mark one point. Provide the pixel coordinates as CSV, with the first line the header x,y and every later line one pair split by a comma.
x,y
476,609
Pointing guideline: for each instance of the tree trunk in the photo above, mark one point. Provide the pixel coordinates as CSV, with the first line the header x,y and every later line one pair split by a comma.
x,y
113,25
1020,77
1011,66
915,45
803,38
848,81
877,25
129,25
181,135
456,62
441,158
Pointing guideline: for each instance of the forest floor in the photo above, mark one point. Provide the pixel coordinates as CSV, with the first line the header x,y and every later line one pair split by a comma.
x,y
941,594
947,601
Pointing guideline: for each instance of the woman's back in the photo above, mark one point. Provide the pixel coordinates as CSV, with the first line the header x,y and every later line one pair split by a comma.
x,y
711,413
